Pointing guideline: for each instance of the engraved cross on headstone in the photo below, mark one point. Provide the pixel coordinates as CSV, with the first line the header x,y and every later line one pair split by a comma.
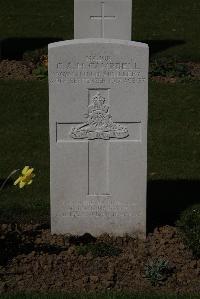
x,y
99,131
102,18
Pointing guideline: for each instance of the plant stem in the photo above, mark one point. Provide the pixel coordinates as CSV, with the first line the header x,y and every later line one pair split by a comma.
x,y
3,184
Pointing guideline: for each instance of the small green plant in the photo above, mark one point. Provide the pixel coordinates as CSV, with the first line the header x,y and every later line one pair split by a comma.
x,y
99,249
157,270
41,72
189,227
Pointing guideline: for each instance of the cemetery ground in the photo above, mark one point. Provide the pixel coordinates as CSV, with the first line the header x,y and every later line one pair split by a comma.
x,y
31,260
30,256
96,296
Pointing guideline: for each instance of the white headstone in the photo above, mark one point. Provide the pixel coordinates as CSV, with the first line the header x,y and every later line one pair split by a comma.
x,y
103,19
98,91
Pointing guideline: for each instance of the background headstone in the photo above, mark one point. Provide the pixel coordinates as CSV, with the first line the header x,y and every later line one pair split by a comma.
x,y
103,19
98,91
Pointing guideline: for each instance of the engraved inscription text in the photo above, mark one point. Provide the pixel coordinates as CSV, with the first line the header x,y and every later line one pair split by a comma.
x,y
97,69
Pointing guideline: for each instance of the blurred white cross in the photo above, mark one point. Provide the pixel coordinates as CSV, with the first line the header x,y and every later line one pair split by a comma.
x,y
102,18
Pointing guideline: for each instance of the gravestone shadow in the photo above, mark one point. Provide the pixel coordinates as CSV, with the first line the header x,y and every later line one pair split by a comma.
x,y
167,199
15,242
156,46
14,48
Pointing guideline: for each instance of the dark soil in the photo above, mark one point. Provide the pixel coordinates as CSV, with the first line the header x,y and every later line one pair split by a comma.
x,y
17,70
193,70
32,259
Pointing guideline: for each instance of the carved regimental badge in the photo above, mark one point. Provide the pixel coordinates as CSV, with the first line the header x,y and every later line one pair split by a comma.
x,y
99,124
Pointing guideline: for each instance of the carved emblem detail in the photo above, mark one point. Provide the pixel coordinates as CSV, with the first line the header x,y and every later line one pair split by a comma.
x,y
99,124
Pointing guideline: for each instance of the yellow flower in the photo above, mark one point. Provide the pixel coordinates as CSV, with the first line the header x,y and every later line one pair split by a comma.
x,y
26,177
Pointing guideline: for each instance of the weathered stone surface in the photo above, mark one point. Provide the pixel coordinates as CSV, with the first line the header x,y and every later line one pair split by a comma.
x,y
98,95
103,19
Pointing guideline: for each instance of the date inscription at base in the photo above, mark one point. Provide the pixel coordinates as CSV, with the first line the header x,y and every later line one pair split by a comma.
x,y
98,206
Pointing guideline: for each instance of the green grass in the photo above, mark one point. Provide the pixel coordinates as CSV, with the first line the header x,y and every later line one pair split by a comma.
x,y
166,23
98,296
36,18
173,135
24,141
170,27
173,141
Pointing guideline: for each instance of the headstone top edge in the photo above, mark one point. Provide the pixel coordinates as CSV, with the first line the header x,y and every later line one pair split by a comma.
x,y
130,1
96,41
